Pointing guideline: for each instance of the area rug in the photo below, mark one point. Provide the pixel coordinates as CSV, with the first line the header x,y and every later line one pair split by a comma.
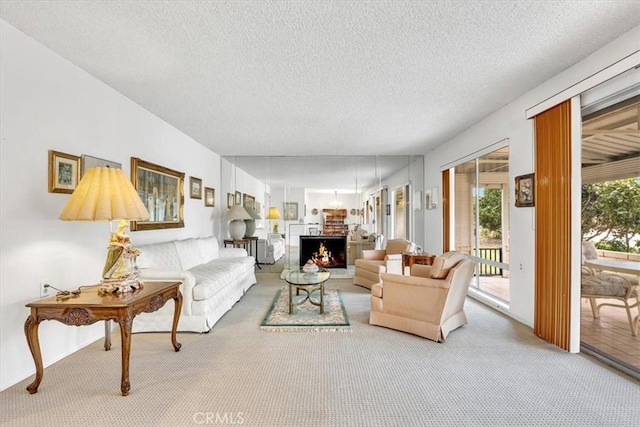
x,y
306,317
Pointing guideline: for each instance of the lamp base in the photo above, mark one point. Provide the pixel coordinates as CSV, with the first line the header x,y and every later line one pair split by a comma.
x,y
237,227
121,285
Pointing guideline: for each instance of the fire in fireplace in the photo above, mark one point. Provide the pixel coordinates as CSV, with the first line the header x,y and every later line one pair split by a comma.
x,y
325,251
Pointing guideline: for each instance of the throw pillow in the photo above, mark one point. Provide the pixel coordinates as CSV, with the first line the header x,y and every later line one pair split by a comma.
x,y
444,263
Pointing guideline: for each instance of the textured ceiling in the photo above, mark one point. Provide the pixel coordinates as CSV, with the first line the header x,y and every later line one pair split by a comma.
x,y
323,77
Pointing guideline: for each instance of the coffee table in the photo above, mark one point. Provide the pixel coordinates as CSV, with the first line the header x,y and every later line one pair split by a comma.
x,y
309,283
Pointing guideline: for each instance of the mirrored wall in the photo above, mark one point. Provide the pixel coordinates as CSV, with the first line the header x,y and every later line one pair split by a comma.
x,y
355,196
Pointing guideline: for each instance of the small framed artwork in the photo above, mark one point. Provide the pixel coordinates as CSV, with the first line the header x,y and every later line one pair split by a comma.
x,y
195,187
388,209
525,190
290,211
434,198
257,207
209,196
230,200
238,199
248,201
64,172
93,162
417,200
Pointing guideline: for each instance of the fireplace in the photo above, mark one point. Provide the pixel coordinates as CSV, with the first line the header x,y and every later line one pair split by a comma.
x,y
325,251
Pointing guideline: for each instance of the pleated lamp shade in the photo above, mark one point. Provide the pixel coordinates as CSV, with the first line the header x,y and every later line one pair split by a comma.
x,y
236,212
273,213
104,194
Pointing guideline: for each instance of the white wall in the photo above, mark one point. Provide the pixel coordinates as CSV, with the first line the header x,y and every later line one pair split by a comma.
x,y
510,122
48,103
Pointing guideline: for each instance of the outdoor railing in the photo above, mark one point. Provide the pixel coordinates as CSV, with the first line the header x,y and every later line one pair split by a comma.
x,y
494,254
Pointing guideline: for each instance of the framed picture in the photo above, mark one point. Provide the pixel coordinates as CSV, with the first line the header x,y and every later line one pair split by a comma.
x,y
525,190
162,192
209,196
230,200
290,211
93,162
248,201
64,172
257,207
431,198
238,200
195,187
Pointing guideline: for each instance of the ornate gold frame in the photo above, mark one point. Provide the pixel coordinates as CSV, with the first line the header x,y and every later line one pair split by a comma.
x,y
57,183
155,185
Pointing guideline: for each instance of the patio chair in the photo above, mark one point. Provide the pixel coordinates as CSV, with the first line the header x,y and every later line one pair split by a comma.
x,y
611,286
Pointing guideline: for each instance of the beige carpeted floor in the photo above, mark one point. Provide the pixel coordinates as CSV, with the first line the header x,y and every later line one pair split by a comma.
x,y
492,372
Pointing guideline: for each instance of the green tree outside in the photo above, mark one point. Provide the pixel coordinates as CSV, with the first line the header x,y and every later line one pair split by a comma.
x,y
611,210
490,204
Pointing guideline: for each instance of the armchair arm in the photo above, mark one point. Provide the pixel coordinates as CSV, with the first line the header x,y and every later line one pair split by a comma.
x,y
414,297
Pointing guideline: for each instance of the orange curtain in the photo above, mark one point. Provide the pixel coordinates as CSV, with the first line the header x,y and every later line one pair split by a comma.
x,y
446,217
553,222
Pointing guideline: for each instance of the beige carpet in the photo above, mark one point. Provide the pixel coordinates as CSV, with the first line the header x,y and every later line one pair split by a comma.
x,y
492,372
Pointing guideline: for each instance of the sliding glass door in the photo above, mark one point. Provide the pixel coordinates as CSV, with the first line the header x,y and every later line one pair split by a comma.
x,y
481,215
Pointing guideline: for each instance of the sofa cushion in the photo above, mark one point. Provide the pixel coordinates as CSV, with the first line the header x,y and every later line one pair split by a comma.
x,y
159,255
445,262
209,248
188,253
216,275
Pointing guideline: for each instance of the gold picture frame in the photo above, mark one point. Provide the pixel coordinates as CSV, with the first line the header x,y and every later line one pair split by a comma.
x,y
162,192
238,198
525,190
195,187
209,196
64,172
230,200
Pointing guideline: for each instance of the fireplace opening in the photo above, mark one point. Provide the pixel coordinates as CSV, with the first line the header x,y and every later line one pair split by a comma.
x,y
325,251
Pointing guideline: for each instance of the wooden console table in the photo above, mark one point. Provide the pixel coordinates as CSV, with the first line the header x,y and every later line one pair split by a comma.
x,y
90,307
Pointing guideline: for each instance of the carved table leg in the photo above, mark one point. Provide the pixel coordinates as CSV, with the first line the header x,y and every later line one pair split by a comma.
x,y
177,301
125,336
31,332
107,335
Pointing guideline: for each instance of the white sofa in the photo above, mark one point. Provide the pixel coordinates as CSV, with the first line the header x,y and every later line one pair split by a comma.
x,y
213,280
270,249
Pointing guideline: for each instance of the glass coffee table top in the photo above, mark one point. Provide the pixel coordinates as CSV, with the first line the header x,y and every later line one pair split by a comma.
x,y
300,278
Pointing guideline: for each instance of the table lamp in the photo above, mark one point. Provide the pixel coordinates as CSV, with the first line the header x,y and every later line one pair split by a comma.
x,y
106,194
237,214
251,223
273,213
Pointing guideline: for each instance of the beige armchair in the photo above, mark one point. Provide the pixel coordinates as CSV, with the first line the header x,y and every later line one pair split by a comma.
x,y
428,303
376,261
